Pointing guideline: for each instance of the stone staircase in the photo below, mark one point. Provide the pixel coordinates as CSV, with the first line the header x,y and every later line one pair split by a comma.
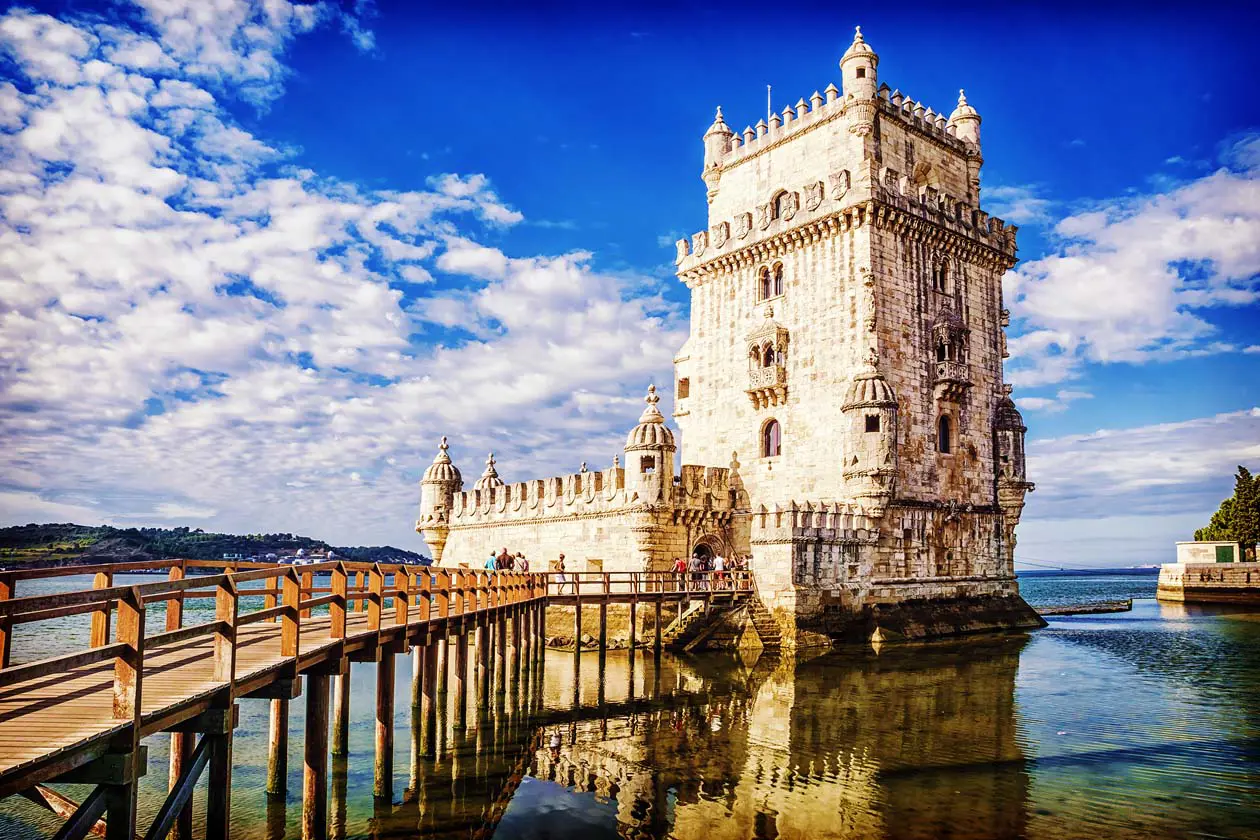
x,y
767,627
682,630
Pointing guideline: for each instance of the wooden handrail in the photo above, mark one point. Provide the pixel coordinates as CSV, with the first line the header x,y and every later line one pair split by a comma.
x,y
58,664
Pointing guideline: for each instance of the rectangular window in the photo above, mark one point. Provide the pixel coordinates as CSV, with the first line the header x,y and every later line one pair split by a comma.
x,y
684,388
872,422
647,465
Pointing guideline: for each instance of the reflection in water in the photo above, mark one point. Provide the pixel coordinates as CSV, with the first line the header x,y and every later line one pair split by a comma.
x,y
1131,725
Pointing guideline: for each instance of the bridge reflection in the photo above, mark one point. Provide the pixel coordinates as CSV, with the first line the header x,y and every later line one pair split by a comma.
x,y
903,743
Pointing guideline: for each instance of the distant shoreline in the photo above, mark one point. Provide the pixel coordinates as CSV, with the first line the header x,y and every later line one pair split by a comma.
x,y
1143,571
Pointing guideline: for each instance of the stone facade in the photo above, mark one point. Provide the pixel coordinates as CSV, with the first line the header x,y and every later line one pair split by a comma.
x,y
844,365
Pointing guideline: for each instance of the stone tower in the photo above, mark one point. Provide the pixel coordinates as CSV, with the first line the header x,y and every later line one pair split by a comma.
x,y
440,483
875,391
650,456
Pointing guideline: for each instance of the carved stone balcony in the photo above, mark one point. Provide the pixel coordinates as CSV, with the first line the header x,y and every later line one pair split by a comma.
x,y
952,380
767,386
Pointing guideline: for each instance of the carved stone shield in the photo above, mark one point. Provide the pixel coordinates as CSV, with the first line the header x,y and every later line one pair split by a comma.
x,y
763,215
684,248
720,233
813,195
839,184
789,204
743,224
699,242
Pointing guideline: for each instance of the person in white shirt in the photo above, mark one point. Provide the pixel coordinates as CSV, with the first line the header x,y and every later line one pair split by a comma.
x,y
719,572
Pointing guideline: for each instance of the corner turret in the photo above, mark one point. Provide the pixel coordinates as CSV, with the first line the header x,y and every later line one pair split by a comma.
x,y
650,455
870,466
441,482
965,121
490,478
717,142
1012,475
859,81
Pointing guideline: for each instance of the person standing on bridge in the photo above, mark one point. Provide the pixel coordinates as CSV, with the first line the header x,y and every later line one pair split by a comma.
x,y
492,562
522,562
563,577
680,574
719,572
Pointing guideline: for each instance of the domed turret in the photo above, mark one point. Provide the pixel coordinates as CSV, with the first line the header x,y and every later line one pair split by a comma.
x,y
870,459
1011,473
859,82
441,482
650,454
717,142
490,478
966,121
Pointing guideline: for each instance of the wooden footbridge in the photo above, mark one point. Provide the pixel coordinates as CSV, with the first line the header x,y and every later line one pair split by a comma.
x,y
80,717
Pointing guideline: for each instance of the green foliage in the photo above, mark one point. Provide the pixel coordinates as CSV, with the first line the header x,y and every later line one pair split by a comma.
x,y
1238,519
58,542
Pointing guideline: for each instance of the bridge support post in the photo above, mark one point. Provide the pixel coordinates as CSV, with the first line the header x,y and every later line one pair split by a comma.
x,y
603,628
428,699
383,775
461,682
441,665
341,712
219,787
500,647
634,623
278,748
417,675
181,754
517,642
484,632
315,779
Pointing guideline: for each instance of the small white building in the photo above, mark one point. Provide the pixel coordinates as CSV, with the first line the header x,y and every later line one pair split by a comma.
x,y
1207,551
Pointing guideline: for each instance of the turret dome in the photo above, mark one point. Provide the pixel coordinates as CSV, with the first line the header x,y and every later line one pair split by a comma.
x,y
869,389
651,431
964,109
490,478
859,47
719,125
442,471
1007,417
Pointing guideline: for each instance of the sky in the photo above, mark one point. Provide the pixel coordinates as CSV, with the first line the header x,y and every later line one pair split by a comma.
x,y
255,258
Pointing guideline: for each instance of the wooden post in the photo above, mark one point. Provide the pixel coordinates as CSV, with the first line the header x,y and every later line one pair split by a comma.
x,y
376,588
656,644
417,675
516,646
128,692
358,586
290,623
226,601
308,583
219,781
500,648
7,588
337,609
603,618
278,748
181,742
461,681
403,584
442,645
483,662
428,699
383,778
100,618
341,713
315,778
634,610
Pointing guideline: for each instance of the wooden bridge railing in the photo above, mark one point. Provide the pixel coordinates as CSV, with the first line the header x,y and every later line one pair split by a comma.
x,y
596,584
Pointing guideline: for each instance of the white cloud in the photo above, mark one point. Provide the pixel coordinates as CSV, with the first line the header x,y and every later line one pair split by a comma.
x,y
1051,405
1133,280
1021,204
193,328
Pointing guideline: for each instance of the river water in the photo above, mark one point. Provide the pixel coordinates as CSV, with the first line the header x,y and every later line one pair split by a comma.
x,y
1131,725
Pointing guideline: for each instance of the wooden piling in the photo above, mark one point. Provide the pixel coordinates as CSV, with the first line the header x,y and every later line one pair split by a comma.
x,y
181,742
417,675
656,643
461,681
315,779
341,713
219,785
441,665
500,653
634,621
428,699
383,777
278,748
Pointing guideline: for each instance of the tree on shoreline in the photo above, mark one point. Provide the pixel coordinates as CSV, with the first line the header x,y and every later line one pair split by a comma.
x,y
1238,518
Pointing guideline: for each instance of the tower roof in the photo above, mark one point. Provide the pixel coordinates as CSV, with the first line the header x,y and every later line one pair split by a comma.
x,y
442,470
869,388
964,110
651,431
859,47
1007,417
490,478
719,125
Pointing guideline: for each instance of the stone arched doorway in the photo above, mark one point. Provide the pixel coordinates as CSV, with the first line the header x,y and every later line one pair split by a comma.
x,y
707,547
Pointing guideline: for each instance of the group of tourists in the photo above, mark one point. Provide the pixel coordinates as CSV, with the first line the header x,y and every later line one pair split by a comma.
x,y
709,571
505,561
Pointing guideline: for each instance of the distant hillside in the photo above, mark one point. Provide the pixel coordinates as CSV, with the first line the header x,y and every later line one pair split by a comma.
x,y
66,543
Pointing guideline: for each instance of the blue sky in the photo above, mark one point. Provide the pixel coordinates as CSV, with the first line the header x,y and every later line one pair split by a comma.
x,y
253,263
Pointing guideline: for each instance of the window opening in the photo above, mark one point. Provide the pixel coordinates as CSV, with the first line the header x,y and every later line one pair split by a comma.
x,y
778,278
872,422
943,442
647,464
684,388
771,440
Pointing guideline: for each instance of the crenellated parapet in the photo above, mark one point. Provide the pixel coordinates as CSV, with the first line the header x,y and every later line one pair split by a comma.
x,y
831,522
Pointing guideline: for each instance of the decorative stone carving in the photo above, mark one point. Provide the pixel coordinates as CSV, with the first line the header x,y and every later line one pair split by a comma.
x,y
868,298
743,224
763,215
840,183
699,242
789,203
684,249
813,195
720,233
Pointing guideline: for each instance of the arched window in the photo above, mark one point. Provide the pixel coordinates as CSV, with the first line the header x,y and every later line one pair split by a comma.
x,y
776,204
771,439
778,278
767,356
940,276
763,284
944,441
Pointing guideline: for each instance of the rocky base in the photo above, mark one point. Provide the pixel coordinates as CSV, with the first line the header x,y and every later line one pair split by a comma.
x,y
924,619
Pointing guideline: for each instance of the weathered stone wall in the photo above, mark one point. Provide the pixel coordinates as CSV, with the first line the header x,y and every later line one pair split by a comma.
x,y
1210,582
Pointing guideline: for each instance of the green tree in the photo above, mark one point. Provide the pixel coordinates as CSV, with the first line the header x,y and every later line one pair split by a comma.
x,y
1218,529
1245,521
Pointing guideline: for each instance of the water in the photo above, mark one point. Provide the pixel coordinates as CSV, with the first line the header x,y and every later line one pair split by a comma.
x,y
1130,725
